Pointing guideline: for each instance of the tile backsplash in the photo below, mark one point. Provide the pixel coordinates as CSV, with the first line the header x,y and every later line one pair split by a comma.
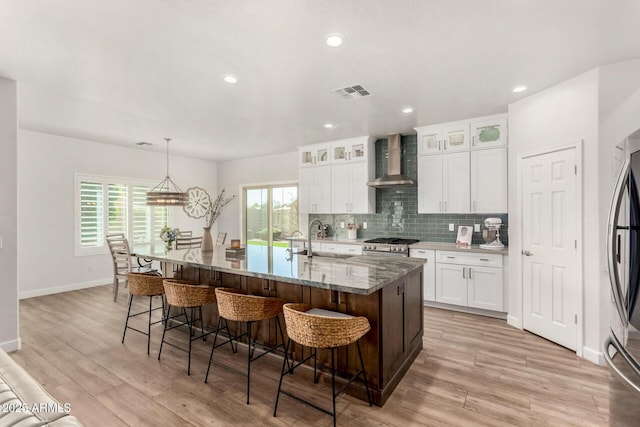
x,y
397,208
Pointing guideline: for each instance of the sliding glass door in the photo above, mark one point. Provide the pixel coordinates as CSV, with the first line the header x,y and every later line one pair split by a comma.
x,y
270,216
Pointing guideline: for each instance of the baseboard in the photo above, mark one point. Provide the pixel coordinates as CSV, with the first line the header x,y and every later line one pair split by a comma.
x,y
463,309
594,356
63,288
514,321
12,345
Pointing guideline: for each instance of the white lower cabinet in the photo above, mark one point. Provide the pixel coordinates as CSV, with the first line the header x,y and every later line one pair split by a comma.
x,y
429,272
342,249
470,279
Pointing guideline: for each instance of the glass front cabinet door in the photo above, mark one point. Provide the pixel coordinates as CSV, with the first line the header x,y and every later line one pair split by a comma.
x,y
314,155
350,150
489,133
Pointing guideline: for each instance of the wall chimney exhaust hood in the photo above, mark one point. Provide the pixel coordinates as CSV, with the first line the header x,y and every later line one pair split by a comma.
x,y
393,177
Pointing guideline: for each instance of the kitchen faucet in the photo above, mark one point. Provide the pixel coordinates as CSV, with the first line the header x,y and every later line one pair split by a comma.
x,y
290,248
309,254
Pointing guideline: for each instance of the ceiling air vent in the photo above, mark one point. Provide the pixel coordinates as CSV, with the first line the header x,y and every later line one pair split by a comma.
x,y
143,143
352,92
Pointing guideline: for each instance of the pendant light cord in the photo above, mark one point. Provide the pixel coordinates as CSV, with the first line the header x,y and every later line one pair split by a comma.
x,y
167,139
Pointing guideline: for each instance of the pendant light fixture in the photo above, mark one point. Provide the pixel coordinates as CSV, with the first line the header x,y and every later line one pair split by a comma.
x,y
167,193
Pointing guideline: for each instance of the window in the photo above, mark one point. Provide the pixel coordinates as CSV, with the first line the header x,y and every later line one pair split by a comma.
x,y
115,205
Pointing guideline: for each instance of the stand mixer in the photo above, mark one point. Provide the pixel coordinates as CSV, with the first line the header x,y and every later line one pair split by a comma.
x,y
491,234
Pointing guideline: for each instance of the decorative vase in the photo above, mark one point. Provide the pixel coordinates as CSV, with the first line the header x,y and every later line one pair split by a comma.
x,y
207,241
169,244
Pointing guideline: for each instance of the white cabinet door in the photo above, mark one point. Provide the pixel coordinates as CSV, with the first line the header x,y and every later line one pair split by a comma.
x,y
485,288
323,189
429,140
429,272
430,184
315,189
455,182
451,284
340,188
314,155
489,132
456,137
363,197
489,181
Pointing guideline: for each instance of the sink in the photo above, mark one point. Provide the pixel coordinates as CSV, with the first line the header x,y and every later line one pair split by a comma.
x,y
324,254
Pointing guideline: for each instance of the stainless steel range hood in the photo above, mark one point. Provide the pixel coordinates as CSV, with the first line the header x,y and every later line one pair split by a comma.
x,y
393,177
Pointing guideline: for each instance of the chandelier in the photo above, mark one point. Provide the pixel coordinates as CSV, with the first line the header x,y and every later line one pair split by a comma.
x,y
167,193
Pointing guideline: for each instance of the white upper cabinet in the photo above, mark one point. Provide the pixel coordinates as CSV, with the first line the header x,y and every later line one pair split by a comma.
x,y
314,155
489,181
443,138
443,183
489,132
351,150
349,190
315,190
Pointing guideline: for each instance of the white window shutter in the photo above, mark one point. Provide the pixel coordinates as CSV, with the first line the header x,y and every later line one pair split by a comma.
x,y
91,214
117,203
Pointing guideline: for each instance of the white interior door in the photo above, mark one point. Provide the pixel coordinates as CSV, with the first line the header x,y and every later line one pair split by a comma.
x,y
549,246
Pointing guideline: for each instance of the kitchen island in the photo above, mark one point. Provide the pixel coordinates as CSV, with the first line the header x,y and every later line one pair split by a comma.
x,y
386,290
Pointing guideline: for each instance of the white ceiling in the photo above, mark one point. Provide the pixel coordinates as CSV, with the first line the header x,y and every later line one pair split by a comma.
x,y
122,71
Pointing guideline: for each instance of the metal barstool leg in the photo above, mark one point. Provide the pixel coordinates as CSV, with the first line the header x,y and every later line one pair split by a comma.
x,y
127,322
190,334
215,338
249,352
149,326
364,375
204,337
333,383
282,373
279,327
166,322
315,365
226,323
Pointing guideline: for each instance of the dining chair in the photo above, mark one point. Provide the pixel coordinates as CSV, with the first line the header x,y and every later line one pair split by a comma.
x,y
188,242
121,258
186,233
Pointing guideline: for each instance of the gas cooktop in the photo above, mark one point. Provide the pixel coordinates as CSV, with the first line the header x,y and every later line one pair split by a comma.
x,y
392,241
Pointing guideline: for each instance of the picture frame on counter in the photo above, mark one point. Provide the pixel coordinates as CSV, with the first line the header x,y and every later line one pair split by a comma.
x,y
465,232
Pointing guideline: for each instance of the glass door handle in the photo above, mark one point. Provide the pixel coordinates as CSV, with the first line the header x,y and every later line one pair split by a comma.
x,y
526,253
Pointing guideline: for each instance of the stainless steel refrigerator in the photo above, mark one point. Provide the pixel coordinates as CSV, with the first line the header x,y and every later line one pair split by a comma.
x,y
622,347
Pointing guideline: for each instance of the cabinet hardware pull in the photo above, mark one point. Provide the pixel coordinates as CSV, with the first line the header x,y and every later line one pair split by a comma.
x,y
332,297
474,205
440,206
439,149
340,298
451,257
445,145
469,272
464,271
445,206
484,259
473,141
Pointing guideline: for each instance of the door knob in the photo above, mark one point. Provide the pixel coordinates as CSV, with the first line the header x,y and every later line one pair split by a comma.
x,y
526,253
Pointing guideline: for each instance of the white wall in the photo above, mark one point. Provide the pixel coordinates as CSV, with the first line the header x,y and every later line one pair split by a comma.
x,y
9,340
46,168
233,174
560,115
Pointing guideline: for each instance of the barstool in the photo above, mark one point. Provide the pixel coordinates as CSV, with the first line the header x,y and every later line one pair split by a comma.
x,y
147,285
186,295
317,328
236,305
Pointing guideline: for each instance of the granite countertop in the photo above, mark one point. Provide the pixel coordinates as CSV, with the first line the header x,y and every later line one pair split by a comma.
x,y
361,274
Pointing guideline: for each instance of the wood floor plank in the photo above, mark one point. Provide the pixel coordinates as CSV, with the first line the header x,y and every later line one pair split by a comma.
x,y
473,371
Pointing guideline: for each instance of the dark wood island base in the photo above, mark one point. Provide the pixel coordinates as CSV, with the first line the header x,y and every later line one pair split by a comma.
x,y
395,313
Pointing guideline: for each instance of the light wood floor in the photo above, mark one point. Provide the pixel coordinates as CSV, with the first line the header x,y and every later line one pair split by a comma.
x,y
473,371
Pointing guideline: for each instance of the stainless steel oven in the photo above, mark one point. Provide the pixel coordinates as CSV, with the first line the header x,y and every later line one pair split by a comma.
x,y
387,246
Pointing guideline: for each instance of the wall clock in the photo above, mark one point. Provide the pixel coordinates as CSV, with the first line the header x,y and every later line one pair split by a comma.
x,y
198,204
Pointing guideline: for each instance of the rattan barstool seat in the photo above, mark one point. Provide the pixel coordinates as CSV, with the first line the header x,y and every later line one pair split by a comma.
x,y
236,305
318,328
148,285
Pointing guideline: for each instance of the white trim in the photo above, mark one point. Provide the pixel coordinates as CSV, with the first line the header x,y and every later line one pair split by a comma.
x,y
12,345
514,321
594,356
577,145
64,288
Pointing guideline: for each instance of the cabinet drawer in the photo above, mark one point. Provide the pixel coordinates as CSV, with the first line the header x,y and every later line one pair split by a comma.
x,y
485,260
342,249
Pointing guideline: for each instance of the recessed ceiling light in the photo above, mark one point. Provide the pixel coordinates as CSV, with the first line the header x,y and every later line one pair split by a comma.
x,y
230,78
407,110
328,125
335,40
518,89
